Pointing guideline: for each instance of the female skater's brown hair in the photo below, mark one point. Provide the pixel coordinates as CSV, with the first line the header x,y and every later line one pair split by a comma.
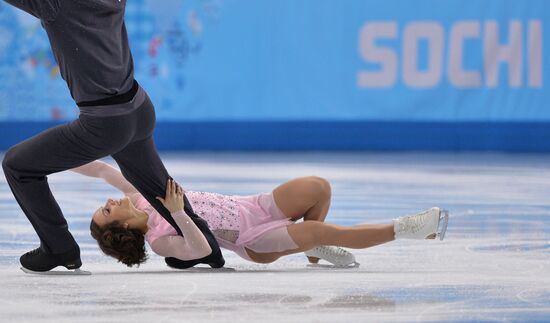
x,y
125,245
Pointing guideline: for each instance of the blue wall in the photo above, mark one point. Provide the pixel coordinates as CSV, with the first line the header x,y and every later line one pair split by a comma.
x,y
331,135
357,74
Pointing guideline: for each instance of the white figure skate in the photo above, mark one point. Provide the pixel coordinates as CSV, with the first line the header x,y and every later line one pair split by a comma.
x,y
337,256
428,224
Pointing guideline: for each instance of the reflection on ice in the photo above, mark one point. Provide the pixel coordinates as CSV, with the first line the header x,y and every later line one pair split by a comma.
x,y
518,246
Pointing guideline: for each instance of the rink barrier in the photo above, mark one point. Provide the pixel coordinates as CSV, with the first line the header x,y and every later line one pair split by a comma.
x,y
329,136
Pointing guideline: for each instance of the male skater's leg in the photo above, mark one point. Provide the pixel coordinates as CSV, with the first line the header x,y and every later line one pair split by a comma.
x,y
141,165
140,158
26,166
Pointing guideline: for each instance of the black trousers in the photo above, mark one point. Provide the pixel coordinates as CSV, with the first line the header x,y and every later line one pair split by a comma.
x,y
128,138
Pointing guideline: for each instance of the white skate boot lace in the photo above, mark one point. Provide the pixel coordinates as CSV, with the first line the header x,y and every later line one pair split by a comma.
x,y
335,255
333,252
412,224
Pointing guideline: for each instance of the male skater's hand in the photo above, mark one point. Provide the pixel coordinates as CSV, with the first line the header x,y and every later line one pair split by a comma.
x,y
173,201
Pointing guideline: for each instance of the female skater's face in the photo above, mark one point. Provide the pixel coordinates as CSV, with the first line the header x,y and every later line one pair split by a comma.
x,y
114,210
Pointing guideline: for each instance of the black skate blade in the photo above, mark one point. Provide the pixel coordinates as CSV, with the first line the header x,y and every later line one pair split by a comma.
x,y
76,272
331,266
206,270
443,223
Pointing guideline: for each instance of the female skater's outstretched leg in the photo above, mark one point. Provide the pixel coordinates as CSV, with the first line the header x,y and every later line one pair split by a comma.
x,y
310,234
428,224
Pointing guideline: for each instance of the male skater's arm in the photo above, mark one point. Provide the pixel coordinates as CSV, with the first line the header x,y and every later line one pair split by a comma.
x,y
42,9
193,244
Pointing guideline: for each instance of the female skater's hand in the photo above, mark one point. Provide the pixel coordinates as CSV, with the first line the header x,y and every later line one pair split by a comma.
x,y
173,201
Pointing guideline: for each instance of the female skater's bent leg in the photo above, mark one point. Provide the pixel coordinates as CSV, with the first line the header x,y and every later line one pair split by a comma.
x,y
304,197
140,164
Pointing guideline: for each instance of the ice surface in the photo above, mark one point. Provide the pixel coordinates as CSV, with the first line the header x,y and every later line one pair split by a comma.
x,y
494,264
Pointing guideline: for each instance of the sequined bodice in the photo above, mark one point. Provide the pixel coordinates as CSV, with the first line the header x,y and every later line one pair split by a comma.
x,y
220,211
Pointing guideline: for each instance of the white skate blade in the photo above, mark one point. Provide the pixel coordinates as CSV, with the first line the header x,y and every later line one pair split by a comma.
x,y
330,266
76,272
443,222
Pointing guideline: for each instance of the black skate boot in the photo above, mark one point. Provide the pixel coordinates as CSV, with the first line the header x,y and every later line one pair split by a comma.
x,y
214,260
40,261
180,264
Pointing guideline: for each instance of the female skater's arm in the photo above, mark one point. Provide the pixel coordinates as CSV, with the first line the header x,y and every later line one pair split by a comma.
x,y
193,244
109,174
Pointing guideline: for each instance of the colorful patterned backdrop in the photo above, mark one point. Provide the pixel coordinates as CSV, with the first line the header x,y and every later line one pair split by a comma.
x,y
395,60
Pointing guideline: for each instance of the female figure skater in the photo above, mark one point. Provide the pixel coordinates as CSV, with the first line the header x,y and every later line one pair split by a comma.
x,y
259,228
90,44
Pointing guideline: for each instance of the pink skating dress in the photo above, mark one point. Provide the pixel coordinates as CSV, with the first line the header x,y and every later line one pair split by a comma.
x,y
237,222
